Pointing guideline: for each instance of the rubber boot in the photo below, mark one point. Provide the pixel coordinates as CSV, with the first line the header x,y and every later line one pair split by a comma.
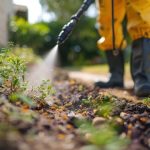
x,y
116,69
140,66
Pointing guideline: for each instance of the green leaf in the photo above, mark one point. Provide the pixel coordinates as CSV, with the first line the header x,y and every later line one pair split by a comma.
x,y
15,97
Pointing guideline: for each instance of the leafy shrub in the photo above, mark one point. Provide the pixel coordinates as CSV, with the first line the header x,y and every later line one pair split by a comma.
x,y
23,33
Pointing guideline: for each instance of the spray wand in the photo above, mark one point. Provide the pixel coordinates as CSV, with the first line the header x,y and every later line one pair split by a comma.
x,y
68,28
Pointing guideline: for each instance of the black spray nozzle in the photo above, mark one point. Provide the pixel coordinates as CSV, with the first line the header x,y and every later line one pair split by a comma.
x,y
68,28
66,31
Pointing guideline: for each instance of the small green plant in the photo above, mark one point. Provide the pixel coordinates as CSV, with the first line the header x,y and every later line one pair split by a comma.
x,y
105,136
146,101
103,105
45,90
14,97
87,102
12,71
105,110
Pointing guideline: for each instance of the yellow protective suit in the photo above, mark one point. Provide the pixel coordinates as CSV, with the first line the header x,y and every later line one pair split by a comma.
x,y
138,15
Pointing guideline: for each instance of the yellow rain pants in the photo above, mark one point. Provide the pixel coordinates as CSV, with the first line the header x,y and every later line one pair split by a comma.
x,y
138,15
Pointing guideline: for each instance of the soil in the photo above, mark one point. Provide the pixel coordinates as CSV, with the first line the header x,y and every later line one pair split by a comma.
x,y
52,127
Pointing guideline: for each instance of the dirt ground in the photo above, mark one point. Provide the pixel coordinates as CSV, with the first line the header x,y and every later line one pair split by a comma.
x,y
53,127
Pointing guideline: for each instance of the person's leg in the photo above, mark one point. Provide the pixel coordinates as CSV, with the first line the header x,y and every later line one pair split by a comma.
x,y
115,62
116,68
139,28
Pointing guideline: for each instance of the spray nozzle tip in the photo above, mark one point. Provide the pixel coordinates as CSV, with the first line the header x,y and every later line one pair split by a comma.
x,y
58,43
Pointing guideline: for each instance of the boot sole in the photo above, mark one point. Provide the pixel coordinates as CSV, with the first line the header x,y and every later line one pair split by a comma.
x,y
143,91
143,94
109,86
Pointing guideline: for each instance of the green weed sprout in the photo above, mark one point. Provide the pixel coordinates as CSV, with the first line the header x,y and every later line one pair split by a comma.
x,y
45,90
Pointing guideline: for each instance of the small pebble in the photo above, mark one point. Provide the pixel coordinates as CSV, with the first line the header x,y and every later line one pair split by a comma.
x,y
98,121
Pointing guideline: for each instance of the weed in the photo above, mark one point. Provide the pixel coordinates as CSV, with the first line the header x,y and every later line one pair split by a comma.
x,y
146,101
105,110
14,97
87,102
103,105
45,89
104,137
12,72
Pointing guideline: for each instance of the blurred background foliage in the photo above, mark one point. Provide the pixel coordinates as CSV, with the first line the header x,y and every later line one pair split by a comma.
x,y
79,49
62,9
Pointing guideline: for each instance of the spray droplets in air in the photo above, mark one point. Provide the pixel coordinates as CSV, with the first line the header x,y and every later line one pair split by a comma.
x,y
44,70
51,58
